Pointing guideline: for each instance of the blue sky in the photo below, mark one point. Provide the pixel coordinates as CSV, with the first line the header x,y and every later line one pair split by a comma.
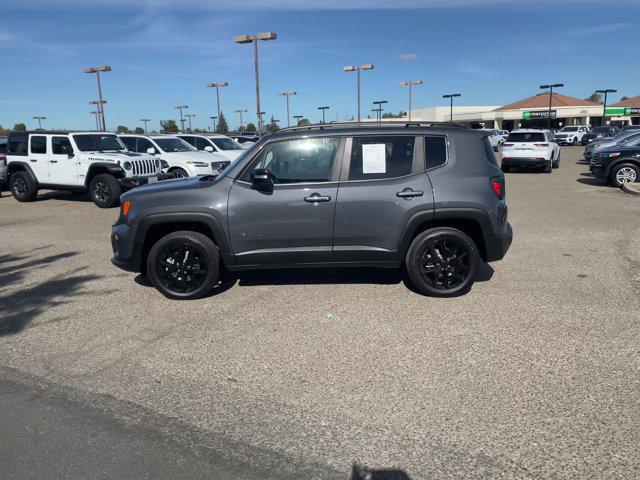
x,y
164,52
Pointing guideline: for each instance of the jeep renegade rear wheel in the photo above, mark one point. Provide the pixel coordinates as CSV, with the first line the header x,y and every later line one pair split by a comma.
x,y
105,190
23,187
184,265
442,262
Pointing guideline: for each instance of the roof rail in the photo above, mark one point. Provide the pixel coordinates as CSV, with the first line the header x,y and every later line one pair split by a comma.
x,y
404,123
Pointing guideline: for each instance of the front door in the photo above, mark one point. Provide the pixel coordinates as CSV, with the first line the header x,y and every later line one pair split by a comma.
x,y
39,158
63,164
292,222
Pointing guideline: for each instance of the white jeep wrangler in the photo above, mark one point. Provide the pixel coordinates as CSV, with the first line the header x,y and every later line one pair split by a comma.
x,y
96,162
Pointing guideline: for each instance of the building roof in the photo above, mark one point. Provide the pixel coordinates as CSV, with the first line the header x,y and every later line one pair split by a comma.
x,y
629,102
541,100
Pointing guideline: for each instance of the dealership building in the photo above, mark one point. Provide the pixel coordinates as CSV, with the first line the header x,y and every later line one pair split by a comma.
x,y
533,112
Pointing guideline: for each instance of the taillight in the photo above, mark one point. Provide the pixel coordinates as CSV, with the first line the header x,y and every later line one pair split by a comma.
x,y
507,144
497,185
541,144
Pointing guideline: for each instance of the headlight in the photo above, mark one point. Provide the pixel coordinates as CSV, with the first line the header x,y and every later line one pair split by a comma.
x,y
157,162
127,165
197,164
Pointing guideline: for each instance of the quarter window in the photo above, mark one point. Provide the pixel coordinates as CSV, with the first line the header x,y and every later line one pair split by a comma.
x,y
61,146
17,144
38,144
308,160
381,157
436,148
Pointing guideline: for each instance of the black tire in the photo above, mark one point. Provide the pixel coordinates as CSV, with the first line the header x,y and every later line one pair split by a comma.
x,y
506,168
549,167
179,173
440,275
22,187
575,141
619,172
556,162
105,190
176,278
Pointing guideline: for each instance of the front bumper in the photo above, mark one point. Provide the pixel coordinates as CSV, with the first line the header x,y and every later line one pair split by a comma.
x,y
498,245
127,183
599,172
126,252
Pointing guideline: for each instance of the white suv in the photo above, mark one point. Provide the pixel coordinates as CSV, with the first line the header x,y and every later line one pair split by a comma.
x,y
182,160
530,148
215,143
96,162
571,135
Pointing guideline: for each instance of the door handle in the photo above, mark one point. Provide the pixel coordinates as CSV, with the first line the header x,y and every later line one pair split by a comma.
x,y
33,159
317,198
53,161
408,193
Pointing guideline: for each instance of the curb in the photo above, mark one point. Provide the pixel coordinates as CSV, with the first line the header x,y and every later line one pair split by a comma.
x,y
631,188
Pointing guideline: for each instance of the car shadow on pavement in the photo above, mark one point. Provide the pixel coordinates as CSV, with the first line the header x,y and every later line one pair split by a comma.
x,y
591,181
359,472
64,195
19,307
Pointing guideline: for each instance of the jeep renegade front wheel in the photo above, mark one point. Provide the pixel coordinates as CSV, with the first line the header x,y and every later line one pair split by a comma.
x,y
23,187
105,190
184,265
442,262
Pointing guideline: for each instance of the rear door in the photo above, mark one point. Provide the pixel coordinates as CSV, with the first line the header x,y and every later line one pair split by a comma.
x,y
382,185
39,157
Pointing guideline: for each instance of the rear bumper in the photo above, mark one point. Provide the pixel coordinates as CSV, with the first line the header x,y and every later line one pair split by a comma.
x,y
498,245
525,161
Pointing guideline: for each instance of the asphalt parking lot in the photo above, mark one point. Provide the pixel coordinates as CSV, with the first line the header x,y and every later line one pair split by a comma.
x,y
302,374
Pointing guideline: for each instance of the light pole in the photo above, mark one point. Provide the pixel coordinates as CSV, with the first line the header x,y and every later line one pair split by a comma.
x,y
96,113
357,68
604,106
181,108
241,122
323,109
379,109
39,121
98,104
214,122
411,83
287,95
451,96
189,115
298,117
97,70
254,39
551,87
145,120
217,86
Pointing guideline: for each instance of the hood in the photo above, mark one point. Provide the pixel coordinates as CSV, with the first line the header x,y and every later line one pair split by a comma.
x,y
116,156
167,186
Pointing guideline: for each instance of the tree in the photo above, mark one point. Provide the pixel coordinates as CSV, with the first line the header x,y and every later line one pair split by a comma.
x,y
594,97
222,128
624,98
122,129
393,115
19,127
250,127
304,122
170,127
139,130
3,132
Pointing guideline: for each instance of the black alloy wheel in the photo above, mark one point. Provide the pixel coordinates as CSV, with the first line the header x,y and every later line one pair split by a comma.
x,y
181,268
19,187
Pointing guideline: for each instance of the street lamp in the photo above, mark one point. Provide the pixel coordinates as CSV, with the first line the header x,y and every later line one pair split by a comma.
x,y
254,39
39,121
241,122
298,117
214,122
357,68
604,106
451,96
189,115
323,109
96,113
98,104
97,70
411,83
551,87
145,120
287,95
181,108
379,110
217,86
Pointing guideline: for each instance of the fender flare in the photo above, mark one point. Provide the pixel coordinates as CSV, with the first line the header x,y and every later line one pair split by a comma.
x,y
116,170
23,166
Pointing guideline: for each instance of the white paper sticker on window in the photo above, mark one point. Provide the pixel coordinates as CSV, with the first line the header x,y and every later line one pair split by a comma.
x,y
373,158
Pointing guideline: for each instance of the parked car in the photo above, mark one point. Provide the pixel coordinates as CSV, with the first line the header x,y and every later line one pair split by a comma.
x,y
631,127
331,195
571,135
220,144
530,148
77,161
618,164
246,139
3,161
619,139
494,137
182,160
599,132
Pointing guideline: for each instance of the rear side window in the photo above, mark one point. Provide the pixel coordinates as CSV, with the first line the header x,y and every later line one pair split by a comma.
x,y
436,151
488,152
381,157
17,144
38,144
523,137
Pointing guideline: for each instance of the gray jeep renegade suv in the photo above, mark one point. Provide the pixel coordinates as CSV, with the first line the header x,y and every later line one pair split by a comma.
x,y
426,196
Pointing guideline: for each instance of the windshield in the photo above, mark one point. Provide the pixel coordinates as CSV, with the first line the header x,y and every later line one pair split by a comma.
x,y
171,145
526,137
98,143
226,143
629,140
569,129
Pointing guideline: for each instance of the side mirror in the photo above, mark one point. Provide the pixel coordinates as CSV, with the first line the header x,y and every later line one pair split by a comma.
x,y
208,148
151,151
262,179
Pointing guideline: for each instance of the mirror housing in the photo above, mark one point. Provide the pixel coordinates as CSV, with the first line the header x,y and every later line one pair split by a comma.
x,y
262,179
151,151
208,148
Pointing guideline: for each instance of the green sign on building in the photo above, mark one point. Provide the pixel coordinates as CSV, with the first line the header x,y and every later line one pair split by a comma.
x,y
529,115
619,111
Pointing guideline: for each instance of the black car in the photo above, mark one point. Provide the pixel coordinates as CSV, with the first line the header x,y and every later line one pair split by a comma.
x,y
617,165
599,132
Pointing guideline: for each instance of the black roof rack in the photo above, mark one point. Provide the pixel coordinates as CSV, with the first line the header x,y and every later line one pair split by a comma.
x,y
400,124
